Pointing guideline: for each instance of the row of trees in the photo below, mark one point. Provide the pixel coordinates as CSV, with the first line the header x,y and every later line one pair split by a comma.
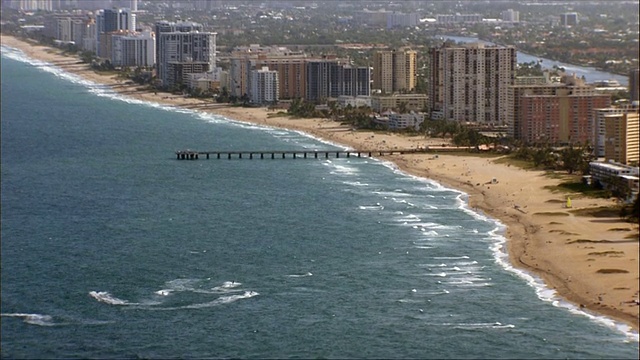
x,y
570,158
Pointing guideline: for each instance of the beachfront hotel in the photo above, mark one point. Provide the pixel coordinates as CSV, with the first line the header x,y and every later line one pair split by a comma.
x,y
470,82
394,71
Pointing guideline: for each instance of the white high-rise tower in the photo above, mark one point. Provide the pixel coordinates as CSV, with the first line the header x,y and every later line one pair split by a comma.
x,y
134,9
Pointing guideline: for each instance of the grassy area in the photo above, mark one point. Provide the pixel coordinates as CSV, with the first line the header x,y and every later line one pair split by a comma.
x,y
607,253
466,153
551,213
612,271
599,212
278,114
574,186
510,160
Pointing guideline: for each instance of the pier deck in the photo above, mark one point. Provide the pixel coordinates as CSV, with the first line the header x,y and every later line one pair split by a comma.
x,y
293,154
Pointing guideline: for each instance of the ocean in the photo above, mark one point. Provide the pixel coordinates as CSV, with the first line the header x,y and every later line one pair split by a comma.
x,y
112,248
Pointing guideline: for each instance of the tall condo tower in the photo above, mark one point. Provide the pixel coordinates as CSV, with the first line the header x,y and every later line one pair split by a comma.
x,y
183,49
471,82
394,71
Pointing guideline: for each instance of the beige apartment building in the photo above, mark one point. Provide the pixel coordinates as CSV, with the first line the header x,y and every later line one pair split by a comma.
x,y
622,138
394,70
290,66
470,82
414,102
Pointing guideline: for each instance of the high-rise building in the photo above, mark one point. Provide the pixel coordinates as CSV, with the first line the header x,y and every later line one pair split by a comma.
x,y
395,20
169,27
394,71
264,86
66,27
371,18
182,53
600,128
330,78
133,50
556,113
32,5
634,85
569,19
622,142
471,82
290,66
108,21
511,16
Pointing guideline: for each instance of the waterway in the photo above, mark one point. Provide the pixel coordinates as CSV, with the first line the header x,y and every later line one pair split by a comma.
x,y
591,74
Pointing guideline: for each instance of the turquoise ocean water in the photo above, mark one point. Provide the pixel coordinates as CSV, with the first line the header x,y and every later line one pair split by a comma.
x,y
112,248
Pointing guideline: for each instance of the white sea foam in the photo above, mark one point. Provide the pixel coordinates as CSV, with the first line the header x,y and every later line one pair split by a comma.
x,y
432,265
408,218
219,301
344,170
227,286
164,292
450,257
33,319
106,297
300,275
355,183
440,274
392,194
475,326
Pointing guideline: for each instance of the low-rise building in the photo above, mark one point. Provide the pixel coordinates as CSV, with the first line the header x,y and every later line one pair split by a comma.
x,y
354,101
209,81
405,121
616,176
414,102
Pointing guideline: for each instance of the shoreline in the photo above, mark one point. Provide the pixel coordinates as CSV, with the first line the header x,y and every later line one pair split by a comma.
x,y
544,238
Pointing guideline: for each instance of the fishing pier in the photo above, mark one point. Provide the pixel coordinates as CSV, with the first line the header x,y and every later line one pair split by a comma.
x,y
293,154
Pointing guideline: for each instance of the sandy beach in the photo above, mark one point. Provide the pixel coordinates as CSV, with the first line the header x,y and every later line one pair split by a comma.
x,y
590,261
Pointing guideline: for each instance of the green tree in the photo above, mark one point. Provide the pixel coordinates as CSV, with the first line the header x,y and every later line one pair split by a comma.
x,y
572,159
